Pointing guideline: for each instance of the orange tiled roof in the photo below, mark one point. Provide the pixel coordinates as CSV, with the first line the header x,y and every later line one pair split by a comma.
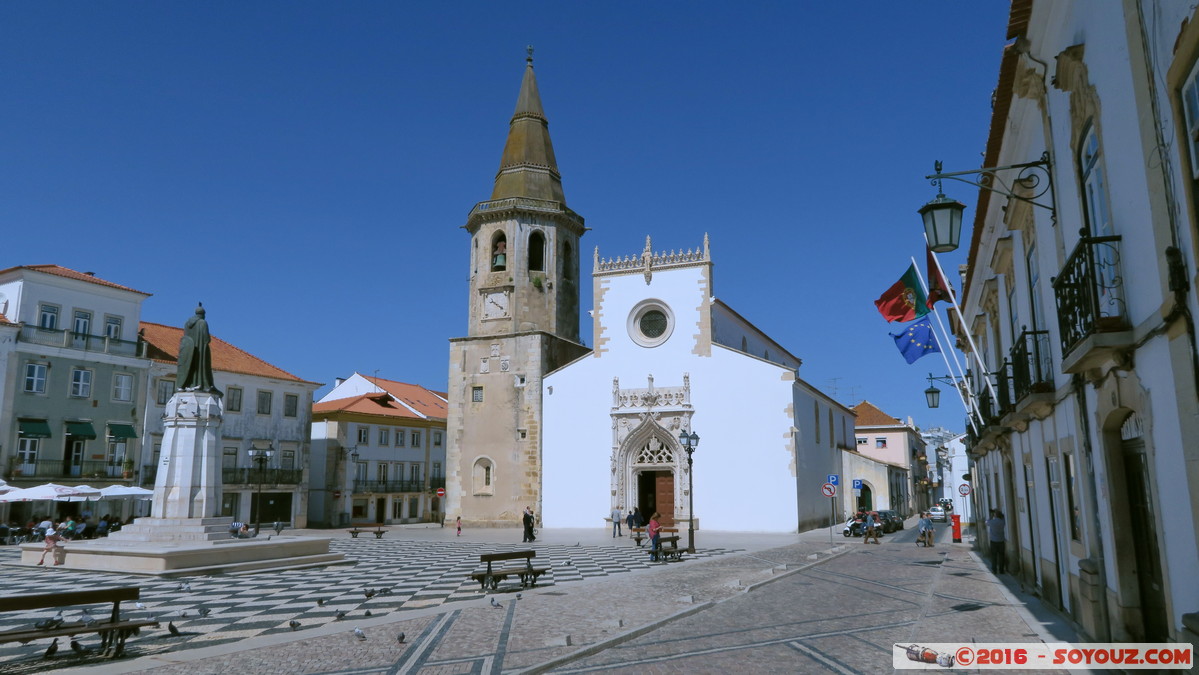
x,y
426,401
871,416
379,403
61,271
163,345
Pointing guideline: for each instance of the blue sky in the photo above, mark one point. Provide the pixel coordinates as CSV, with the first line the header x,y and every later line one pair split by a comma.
x,y
304,168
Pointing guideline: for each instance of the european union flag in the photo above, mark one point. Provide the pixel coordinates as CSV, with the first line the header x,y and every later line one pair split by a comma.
x,y
917,340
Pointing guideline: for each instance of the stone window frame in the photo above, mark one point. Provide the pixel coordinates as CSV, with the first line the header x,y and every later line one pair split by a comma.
x,y
638,313
483,476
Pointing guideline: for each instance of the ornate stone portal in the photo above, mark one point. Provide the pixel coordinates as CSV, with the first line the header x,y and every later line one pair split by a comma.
x,y
645,429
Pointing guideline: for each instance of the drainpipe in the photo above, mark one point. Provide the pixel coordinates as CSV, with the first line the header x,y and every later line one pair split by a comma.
x,y
1095,542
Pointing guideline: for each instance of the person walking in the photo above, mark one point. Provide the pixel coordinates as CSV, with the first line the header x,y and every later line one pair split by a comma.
x,y
654,530
527,520
871,528
926,531
996,533
617,519
458,524
51,546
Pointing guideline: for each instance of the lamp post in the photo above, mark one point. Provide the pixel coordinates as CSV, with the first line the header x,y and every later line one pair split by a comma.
x,y
351,461
690,443
260,456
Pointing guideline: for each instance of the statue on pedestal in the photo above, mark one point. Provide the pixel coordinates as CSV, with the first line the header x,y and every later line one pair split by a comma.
x,y
195,356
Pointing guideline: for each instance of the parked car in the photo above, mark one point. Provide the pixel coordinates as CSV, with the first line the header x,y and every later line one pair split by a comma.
x,y
936,514
891,520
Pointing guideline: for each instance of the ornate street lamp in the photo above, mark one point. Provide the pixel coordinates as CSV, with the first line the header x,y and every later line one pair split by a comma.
x,y
260,457
942,222
690,443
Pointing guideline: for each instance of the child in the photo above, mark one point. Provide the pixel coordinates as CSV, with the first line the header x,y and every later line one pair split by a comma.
x,y
458,523
50,547
654,531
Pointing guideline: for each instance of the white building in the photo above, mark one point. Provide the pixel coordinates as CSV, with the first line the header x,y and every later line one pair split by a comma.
x,y
378,449
669,358
887,458
949,449
1080,292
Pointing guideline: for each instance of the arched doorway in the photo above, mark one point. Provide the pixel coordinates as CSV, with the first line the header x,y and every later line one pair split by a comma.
x,y
1143,523
649,470
866,499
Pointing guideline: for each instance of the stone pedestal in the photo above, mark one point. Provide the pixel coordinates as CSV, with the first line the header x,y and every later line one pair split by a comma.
x,y
188,481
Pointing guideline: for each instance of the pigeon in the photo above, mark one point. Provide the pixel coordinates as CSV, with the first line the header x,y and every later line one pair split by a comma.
x,y
183,615
338,615
496,604
204,611
369,593
400,637
78,648
139,605
172,629
294,624
320,602
88,620
184,586
359,634
368,613
518,596
46,624
385,591
51,650
568,561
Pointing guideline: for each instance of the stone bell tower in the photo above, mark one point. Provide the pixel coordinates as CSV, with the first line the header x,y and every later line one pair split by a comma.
x,y
523,310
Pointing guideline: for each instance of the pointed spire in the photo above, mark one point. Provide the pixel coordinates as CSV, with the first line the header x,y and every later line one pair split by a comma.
x,y
528,167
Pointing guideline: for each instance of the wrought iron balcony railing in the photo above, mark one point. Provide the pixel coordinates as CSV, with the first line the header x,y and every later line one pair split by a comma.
x,y
248,475
1090,291
53,337
388,486
59,468
1031,364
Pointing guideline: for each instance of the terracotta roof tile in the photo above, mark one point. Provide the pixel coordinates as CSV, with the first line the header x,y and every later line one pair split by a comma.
x,y
61,271
871,416
368,404
163,345
426,401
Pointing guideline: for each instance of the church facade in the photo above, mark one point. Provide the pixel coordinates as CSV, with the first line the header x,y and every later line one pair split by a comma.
x,y
536,419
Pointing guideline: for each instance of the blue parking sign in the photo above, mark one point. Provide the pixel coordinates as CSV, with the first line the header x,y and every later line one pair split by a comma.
x,y
857,483
833,479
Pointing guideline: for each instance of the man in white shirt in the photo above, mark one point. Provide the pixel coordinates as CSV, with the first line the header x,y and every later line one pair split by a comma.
x,y
617,517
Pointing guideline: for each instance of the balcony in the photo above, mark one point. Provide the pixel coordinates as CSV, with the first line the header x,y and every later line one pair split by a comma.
x,y
59,469
1032,372
1090,304
389,486
52,337
248,475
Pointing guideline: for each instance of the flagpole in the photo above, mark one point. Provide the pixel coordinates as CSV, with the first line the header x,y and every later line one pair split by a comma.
x,y
986,374
955,371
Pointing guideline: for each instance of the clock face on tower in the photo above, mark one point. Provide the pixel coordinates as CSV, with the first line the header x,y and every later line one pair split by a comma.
x,y
495,305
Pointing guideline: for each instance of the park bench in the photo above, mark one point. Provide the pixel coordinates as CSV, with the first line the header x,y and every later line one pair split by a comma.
x,y
668,544
638,534
378,532
113,630
491,578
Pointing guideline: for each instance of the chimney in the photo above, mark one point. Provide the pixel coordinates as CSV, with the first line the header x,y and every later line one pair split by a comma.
x,y
338,381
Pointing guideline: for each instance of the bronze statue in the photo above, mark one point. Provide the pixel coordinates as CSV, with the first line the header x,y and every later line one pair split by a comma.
x,y
195,357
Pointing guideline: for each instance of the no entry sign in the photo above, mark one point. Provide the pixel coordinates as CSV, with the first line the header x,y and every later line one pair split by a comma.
x,y
828,489
440,492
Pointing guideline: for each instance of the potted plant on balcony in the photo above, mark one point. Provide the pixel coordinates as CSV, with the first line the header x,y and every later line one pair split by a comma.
x,y
127,468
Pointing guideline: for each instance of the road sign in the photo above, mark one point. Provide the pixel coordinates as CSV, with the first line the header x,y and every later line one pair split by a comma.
x,y
964,489
440,492
857,483
834,479
828,489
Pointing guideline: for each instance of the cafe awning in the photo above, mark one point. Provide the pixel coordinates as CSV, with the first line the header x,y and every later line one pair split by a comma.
x,y
34,428
121,431
81,430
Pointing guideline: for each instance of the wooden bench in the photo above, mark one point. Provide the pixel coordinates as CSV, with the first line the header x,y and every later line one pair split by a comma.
x,y
378,532
113,630
638,534
668,543
491,578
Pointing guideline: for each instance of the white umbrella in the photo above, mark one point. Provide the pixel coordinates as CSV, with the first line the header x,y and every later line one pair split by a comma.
x,y
118,491
51,492
5,487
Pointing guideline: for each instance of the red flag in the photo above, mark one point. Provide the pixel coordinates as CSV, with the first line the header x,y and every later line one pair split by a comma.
x,y
905,300
938,286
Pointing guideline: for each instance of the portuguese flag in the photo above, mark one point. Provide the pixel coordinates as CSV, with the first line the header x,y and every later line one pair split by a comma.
x,y
905,300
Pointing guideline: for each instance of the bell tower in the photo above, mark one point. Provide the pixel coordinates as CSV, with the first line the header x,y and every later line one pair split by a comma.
x,y
523,321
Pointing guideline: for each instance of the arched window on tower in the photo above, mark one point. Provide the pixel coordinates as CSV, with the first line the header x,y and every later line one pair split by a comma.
x,y
568,261
482,477
536,252
499,252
